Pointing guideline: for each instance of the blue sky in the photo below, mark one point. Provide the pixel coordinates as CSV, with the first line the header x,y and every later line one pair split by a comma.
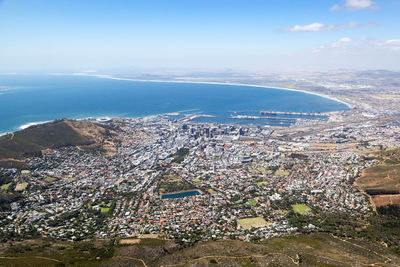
x,y
250,35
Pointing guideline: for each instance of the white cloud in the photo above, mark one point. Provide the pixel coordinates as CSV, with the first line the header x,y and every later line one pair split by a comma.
x,y
393,44
345,39
316,27
313,27
351,5
341,42
346,43
359,4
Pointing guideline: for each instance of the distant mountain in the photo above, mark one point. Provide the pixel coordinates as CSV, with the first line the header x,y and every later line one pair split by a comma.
x,y
16,147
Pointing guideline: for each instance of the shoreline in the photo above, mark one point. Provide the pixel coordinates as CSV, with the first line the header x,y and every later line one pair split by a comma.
x,y
106,76
26,125
29,124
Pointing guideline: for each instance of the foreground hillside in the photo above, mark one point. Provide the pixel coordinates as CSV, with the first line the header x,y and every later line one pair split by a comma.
x,y
298,250
16,147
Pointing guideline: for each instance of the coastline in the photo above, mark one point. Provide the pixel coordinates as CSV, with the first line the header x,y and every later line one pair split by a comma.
x,y
106,76
29,124
26,125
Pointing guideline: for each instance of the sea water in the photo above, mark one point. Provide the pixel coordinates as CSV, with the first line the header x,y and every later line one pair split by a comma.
x,y
38,98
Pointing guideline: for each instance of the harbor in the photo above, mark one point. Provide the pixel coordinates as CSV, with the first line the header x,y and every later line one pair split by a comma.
x,y
274,113
258,117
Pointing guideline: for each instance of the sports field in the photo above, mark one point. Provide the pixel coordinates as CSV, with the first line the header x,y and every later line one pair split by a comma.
x,y
282,173
255,222
21,186
252,202
301,208
104,210
211,191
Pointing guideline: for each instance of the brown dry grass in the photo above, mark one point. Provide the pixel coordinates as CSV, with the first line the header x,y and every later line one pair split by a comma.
x,y
129,241
384,200
384,177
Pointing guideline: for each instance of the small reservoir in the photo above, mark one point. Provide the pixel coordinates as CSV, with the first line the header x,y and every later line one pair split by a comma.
x,y
181,194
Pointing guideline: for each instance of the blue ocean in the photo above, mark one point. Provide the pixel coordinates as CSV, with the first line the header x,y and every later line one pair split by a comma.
x,y
37,98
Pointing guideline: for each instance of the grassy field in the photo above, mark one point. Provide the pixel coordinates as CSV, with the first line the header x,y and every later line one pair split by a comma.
x,y
20,186
301,208
260,170
211,191
255,222
50,179
5,186
252,202
104,210
282,173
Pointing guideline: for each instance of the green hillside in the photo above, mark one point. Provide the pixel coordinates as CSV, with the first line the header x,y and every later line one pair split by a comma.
x,y
14,148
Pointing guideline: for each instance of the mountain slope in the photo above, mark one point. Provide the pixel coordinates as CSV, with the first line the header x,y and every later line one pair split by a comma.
x,y
16,147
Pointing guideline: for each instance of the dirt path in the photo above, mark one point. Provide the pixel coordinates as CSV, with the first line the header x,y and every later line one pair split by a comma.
x,y
367,249
132,258
37,257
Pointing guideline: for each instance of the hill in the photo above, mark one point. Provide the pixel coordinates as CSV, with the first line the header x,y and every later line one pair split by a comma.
x,y
297,250
16,147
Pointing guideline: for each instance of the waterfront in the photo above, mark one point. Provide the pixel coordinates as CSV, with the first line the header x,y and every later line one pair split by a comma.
x,y
34,98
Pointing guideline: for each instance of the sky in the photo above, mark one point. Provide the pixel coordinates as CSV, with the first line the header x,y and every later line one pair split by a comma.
x,y
212,35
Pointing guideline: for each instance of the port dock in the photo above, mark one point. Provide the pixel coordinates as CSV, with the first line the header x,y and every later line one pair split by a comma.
x,y
274,113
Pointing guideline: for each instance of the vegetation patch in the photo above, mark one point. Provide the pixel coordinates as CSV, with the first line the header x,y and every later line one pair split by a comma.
x,y
179,156
50,179
173,182
211,191
5,186
104,210
252,202
301,209
60,133
151,242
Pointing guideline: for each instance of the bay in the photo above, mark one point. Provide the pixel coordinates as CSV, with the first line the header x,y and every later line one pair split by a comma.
x,y
38,98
